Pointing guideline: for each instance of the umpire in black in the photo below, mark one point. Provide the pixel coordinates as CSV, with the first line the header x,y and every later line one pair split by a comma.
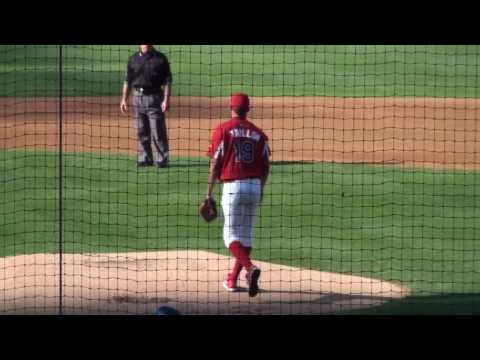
x,y
149,78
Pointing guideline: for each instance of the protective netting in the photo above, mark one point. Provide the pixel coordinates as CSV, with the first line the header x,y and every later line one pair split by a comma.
x,y
371,205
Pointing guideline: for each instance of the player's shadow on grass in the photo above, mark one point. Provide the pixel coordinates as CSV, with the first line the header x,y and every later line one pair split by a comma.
x,y
318,297
179,165
173,165
283,163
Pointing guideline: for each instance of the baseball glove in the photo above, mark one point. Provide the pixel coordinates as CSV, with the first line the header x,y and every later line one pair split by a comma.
x,y
208,210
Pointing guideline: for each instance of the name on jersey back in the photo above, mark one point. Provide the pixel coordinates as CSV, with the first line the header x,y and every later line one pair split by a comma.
x,y
245,133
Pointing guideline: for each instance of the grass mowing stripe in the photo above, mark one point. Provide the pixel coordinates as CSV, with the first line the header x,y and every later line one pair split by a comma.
x,y
414,226
288,70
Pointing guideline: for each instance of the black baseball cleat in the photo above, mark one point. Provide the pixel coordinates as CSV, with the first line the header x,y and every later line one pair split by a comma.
x,y
162,164
253,276
144,163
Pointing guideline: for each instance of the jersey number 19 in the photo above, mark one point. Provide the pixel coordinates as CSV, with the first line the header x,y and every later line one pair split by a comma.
x,y
244,151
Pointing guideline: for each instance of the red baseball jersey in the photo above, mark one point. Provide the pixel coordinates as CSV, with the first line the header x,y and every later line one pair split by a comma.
x,y
241,148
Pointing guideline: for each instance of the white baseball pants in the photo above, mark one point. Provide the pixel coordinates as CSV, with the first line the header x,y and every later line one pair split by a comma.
x,y
240,200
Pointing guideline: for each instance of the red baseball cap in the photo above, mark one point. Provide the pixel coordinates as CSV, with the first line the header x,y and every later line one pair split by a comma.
x,y
240,101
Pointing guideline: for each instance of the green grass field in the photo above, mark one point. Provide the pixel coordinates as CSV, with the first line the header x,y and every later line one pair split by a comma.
x,y
282,70
416,227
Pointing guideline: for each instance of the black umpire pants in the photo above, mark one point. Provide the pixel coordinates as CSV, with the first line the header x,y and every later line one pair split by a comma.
x,y
151,128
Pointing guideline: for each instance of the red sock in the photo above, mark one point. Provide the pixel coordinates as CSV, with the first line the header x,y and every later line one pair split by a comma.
x,y
241,254
237,267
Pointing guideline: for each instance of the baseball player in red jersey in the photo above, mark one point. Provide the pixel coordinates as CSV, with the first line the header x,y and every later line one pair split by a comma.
x,y
239,156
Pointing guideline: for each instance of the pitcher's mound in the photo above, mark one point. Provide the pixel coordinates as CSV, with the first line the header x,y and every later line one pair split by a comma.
x,y
190,281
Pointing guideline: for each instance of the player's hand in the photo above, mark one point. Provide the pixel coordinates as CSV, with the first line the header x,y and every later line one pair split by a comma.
x,y
124,106
208,209
165,105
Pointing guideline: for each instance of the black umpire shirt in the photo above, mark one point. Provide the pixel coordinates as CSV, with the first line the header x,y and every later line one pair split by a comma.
x,y
149,71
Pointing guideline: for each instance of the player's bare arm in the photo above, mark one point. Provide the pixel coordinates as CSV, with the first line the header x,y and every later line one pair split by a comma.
x,y
264,180
266,171
212,176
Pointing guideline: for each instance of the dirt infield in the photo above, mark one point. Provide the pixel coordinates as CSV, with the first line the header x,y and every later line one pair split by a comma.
x,y
421,132
424,132
190,281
